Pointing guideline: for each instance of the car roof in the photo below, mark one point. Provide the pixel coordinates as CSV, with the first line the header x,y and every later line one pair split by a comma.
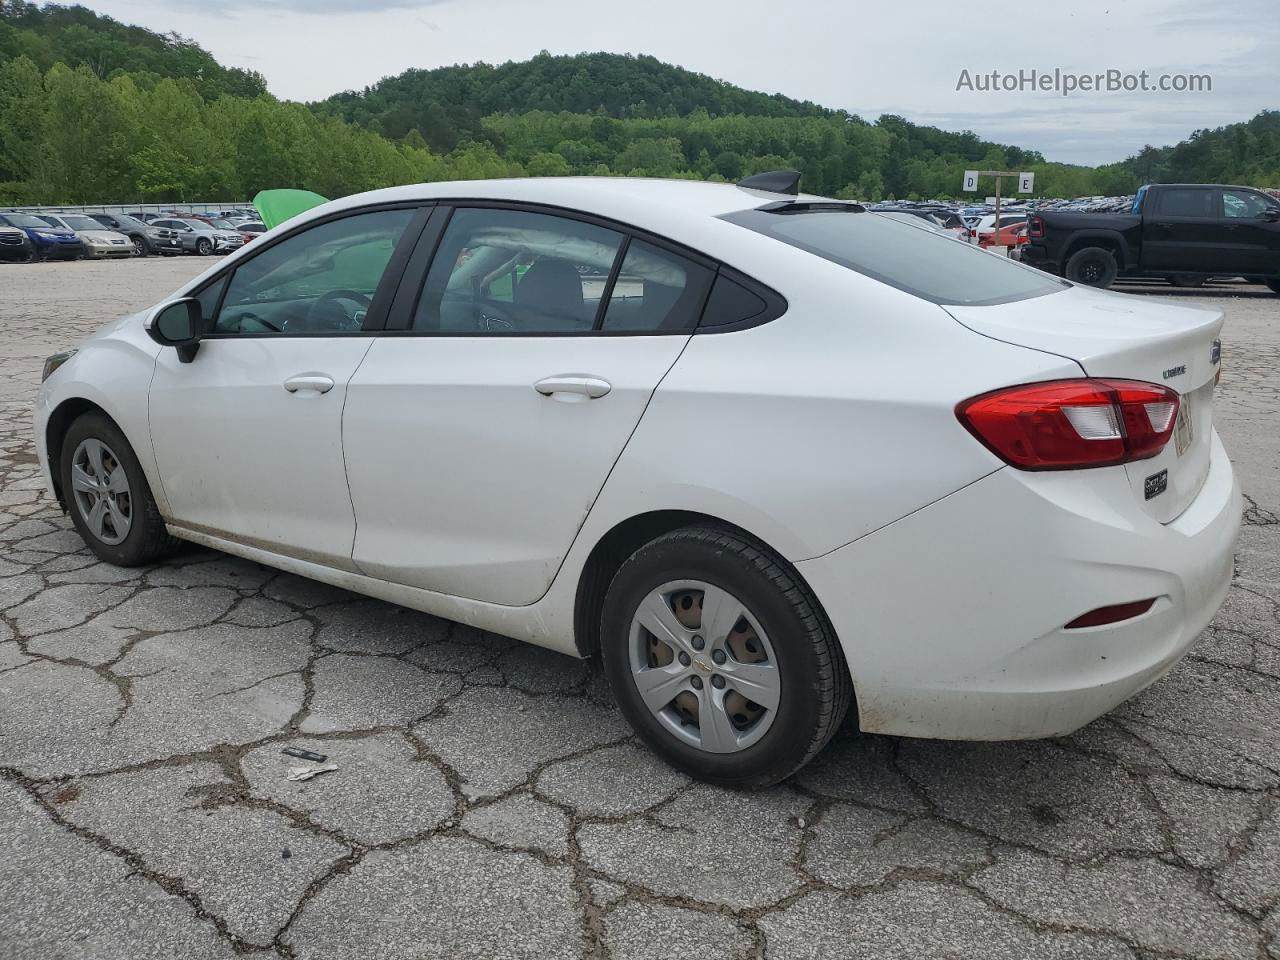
x,y
656,204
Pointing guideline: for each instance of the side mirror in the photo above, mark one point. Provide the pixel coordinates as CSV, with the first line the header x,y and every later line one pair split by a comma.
x,y
177,323
1271,214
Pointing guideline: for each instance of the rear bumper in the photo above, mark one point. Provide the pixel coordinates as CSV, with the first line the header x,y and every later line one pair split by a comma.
x,y
951,619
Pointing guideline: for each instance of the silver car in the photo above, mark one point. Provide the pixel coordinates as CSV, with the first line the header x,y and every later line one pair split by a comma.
x,y
199,237
99,242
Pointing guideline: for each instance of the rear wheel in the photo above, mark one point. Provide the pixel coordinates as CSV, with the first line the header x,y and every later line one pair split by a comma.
x,y
721,659
204,247
108,496
1093,267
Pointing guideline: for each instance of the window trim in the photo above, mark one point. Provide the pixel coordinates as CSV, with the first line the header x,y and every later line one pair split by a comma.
x,y
405,305
375,318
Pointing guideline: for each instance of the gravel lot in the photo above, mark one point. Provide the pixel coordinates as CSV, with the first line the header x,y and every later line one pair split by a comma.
x,y
491,803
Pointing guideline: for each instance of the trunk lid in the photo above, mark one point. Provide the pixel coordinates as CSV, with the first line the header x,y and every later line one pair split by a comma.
x,y
1134,338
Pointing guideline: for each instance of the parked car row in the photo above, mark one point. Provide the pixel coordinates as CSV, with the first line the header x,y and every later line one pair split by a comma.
x,y
73,236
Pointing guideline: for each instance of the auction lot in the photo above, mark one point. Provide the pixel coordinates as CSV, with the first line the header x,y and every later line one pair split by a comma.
x,y
490,803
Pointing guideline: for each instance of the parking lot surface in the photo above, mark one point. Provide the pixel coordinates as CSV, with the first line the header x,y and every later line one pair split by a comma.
x,y
489,802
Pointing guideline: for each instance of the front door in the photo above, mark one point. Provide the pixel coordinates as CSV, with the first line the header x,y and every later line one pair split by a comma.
x,y
1252,222
248,436
478,439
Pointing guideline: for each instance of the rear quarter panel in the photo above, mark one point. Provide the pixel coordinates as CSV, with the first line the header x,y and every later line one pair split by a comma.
x,y
823,425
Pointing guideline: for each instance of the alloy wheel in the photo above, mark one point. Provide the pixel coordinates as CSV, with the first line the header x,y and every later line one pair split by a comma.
x,y
704,666
139,248
101,490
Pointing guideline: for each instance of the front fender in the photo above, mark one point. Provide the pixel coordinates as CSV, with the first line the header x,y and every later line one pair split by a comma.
x,y
111,370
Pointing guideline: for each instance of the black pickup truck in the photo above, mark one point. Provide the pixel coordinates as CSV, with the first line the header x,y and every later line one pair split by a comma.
x,y
1184,232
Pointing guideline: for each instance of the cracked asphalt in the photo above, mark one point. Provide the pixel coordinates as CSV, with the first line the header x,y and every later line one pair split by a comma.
x,y
491,803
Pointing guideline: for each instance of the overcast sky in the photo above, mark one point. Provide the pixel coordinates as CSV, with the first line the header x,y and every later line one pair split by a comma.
x,y
869,57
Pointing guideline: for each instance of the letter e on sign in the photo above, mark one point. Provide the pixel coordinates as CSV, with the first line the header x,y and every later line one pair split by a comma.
x,y
971,180
1026,182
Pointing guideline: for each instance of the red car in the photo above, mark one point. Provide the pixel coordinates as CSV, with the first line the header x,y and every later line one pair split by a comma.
x,y
1014,235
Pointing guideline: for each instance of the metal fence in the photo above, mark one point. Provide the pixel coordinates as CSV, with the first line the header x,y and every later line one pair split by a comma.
x,y
158,208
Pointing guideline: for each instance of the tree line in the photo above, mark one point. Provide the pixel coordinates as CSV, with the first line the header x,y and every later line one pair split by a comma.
x,y
92,111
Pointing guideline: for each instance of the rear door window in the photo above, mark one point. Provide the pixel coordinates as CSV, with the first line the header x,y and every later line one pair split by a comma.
x,y
932,266
656,290
505,272
1194,203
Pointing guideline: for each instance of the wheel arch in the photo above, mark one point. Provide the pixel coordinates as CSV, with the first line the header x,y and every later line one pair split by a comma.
x,y
1106,239
55,431
629,535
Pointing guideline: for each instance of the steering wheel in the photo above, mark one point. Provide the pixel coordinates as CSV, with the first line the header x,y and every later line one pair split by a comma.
x,y
316,312
492,318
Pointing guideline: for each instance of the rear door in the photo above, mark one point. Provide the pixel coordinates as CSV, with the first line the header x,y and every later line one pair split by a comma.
x,y
517,362
1184,232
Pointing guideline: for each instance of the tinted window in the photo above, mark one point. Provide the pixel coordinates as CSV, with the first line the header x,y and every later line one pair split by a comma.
x,y
731,302
1186,203
929,265
321,280
510,271
656,290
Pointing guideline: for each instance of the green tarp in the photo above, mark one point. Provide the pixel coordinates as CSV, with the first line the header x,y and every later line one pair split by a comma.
x,y
277,206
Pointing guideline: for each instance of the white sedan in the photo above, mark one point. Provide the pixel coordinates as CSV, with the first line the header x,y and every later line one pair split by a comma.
x,y
766,454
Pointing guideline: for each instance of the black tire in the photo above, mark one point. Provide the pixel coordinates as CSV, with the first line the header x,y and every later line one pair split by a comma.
x,y
1273,285
204,247
1092,267
139,247
814,680
147,539
1188,280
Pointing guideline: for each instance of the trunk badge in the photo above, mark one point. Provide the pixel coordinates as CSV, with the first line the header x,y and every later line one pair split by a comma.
x,y
1156,484
1215,352
1177,371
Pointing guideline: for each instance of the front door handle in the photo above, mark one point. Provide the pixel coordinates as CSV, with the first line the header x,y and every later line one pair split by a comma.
x,y
311,382
575,384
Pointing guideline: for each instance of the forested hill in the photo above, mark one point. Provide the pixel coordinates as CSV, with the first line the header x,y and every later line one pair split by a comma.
x,y
77,36
446,104
1245,153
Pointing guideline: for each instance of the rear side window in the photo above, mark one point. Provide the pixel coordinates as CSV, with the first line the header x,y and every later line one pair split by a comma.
x,y
514,272
656,290
731,302
932,266
1186,203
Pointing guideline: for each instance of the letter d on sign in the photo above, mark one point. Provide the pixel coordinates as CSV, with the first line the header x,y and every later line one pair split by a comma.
x,y
971,181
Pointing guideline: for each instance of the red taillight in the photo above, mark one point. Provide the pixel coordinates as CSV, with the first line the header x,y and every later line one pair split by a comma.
x,y
1035,227
1067,424
1112,614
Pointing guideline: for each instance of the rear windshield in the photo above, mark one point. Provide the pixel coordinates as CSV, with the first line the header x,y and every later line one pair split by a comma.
x,y
932,266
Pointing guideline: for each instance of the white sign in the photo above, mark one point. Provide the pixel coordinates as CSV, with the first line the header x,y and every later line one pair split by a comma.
x,y
991,201
971,180
1026,182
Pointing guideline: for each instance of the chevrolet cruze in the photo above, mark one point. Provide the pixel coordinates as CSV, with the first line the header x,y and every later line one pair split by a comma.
x,y
773,458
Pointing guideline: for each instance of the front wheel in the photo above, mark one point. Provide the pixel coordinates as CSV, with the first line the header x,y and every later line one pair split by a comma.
x,y
139,247
108,496
1093,267
721,658
204,247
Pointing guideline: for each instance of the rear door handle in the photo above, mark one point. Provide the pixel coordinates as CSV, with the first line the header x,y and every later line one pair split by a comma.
x,y
576,384
309,382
